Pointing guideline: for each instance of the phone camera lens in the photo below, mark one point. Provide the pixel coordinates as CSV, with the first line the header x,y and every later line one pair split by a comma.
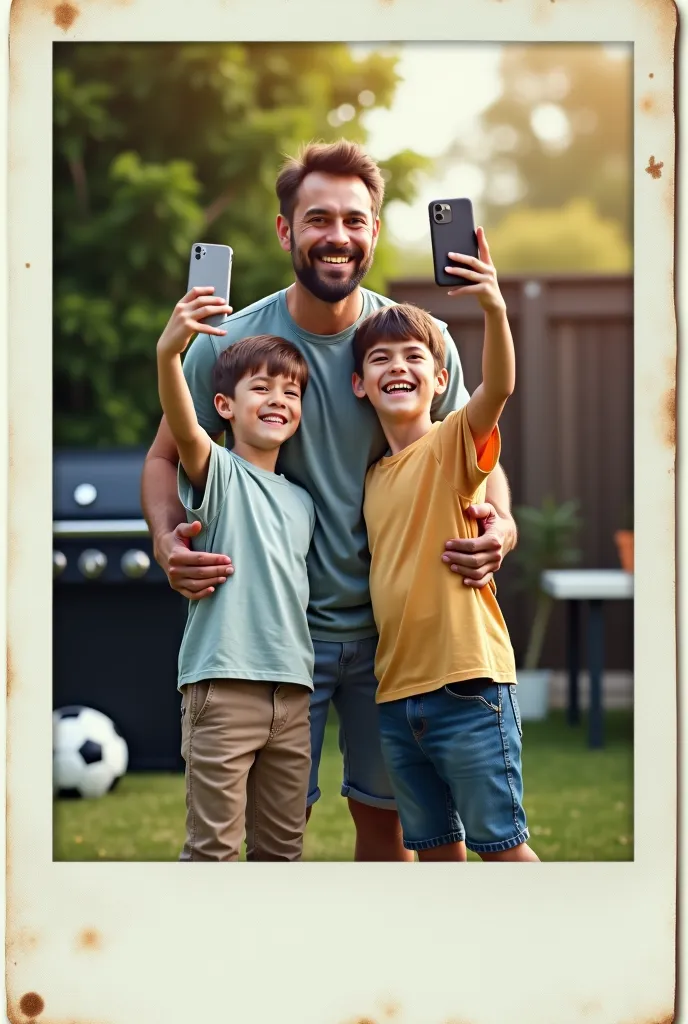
x,y
198,255
438,207
439,217
198,248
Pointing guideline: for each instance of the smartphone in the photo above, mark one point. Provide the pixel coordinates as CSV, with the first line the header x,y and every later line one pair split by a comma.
x,y
452,229
211,265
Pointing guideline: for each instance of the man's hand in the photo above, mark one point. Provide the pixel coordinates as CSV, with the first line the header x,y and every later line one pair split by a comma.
x,y
194,574
476,559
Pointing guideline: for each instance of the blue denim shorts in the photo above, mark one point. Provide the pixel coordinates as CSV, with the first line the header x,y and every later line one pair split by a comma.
x,y
454,758
344,676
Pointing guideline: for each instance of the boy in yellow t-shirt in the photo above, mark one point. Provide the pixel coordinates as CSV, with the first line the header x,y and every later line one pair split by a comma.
x,y
449,719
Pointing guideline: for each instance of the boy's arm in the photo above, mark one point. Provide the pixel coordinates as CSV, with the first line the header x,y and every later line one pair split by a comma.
x,y
187,319
499,370
193,444
194,574
499,362
476,559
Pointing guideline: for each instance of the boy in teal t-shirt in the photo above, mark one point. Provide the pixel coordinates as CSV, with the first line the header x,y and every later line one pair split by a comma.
x,y
246,658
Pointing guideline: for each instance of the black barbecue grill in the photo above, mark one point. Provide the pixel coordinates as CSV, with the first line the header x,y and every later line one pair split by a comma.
x,y
117,624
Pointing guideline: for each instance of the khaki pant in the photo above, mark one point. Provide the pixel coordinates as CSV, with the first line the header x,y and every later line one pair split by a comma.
x,y
247,751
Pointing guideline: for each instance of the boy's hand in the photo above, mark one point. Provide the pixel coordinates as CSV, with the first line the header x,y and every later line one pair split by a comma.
x,y
478,558
482,272
194,574
186,320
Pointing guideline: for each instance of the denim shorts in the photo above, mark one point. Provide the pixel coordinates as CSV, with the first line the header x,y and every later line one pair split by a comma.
x,y
454,758
344,676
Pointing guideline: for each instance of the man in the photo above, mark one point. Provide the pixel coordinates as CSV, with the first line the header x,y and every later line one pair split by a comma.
x,y
330,200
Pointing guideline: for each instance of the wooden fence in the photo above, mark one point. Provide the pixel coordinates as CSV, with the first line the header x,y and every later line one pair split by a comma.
x,y
568,429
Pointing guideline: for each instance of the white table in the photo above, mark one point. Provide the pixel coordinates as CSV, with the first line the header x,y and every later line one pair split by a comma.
x,y
594,586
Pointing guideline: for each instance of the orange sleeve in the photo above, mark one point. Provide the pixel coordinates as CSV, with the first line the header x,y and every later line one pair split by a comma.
x,y
454,449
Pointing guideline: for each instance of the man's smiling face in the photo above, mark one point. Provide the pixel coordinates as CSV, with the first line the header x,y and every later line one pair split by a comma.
x,y
332,235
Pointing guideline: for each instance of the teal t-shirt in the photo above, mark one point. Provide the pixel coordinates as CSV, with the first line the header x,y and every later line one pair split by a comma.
x,y
254,625
338,439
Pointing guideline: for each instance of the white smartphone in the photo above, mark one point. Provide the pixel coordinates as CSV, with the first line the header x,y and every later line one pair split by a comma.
x,y
211,265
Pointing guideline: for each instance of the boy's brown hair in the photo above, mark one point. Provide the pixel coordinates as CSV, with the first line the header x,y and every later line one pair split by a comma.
x,y
248,356
398,323
343,158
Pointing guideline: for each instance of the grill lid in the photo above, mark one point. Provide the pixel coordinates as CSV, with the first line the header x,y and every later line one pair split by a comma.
x,y
98,485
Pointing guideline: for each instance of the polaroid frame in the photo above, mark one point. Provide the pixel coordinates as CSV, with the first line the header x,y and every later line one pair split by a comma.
x,y
114,943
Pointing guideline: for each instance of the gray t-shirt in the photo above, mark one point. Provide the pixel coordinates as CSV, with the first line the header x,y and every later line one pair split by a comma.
x,y
254,626
338,439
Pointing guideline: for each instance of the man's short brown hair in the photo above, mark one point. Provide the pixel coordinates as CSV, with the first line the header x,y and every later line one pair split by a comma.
x,y
343,158
248,356
402,322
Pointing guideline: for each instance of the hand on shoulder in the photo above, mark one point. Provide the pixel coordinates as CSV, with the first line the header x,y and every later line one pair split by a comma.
x,y
478,558
193,574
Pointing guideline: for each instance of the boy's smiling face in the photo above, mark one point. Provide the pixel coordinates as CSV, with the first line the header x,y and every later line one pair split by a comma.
x,y
265,410
400,379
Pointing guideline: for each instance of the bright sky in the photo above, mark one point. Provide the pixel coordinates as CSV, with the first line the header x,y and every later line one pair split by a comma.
x,y
444,87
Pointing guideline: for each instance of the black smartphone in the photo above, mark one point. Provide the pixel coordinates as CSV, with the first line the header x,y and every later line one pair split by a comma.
x,y
452,229
211,265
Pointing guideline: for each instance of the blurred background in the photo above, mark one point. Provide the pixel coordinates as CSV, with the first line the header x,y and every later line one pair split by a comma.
x,y
160,145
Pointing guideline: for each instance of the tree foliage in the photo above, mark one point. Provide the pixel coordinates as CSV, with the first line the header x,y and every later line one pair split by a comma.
x,y
572,238
585,91
160,145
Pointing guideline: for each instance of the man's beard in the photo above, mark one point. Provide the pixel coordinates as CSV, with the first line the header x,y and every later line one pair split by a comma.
x,y
329,291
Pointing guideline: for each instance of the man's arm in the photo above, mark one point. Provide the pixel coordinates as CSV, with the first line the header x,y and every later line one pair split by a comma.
x,y
499,496
194,574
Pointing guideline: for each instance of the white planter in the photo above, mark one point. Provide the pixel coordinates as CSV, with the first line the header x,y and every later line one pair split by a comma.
x,y
533,693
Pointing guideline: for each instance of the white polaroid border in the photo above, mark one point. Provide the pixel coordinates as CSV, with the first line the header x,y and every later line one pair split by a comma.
x,y
335,943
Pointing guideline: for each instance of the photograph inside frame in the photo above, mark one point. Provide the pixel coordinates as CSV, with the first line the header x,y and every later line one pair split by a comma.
x,y
388,513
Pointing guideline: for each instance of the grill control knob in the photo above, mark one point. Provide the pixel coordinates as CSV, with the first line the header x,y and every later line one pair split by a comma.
x,y
135,563
91,563
59,563
85,494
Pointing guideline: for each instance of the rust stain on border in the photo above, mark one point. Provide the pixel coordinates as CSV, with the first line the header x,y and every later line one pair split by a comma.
x,y
31,1004
65,15
665,18
669,203
24,941
657,103
89,939
669,417
9,671
391,1009
654,169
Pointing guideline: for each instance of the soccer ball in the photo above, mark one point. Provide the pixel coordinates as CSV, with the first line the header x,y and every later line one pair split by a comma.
x,y
90,755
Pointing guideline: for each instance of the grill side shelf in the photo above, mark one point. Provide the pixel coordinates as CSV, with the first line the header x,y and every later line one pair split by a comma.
x,y
76,528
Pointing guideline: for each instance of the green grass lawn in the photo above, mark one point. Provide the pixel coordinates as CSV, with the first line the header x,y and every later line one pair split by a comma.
x,y
579,804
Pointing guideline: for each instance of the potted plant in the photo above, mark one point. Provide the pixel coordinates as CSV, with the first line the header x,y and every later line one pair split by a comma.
x,y
625,541
546,541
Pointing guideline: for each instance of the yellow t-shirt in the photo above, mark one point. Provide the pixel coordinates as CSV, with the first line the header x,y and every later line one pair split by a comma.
x,y
433,629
